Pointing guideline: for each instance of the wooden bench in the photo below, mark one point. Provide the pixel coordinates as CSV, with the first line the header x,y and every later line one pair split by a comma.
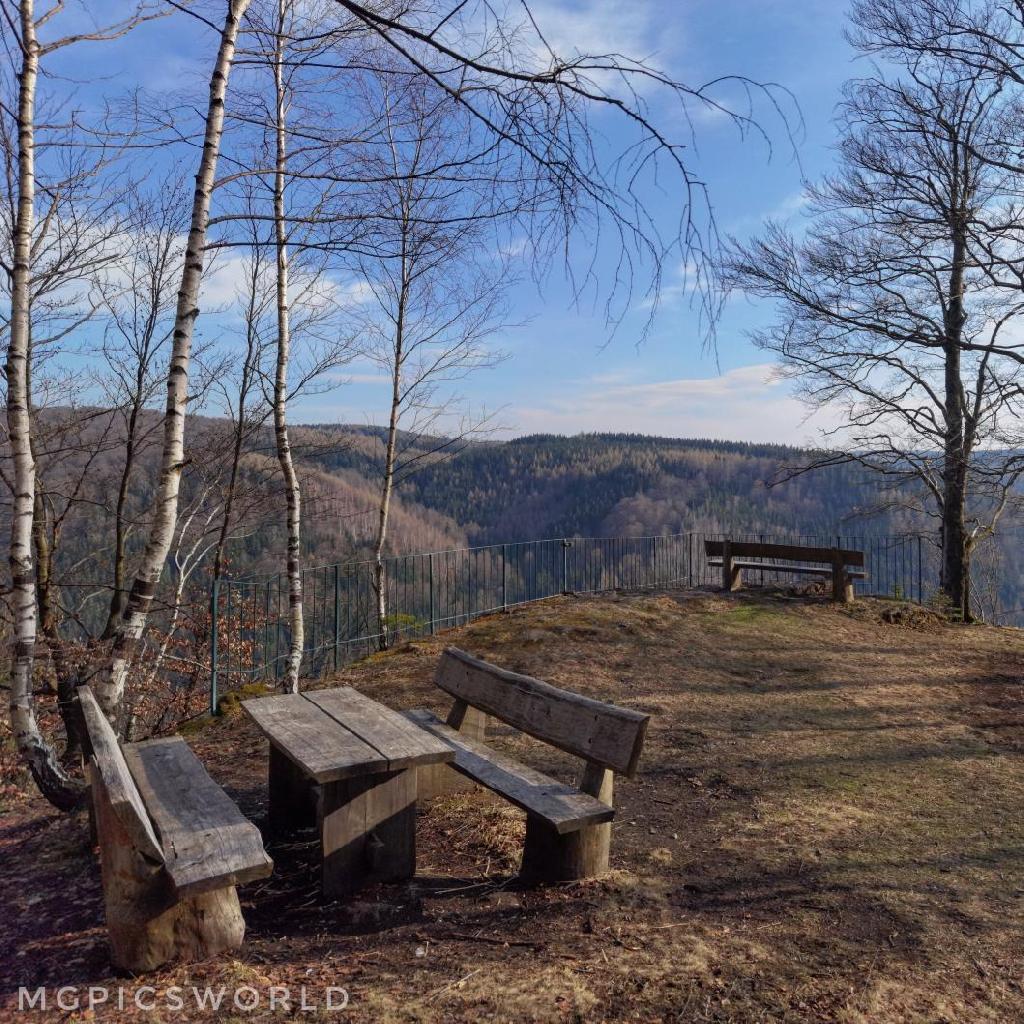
x,y
568,830
735,556
173,846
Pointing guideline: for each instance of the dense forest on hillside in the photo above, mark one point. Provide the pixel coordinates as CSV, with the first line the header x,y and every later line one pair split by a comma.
x,y
606,485
452,495
619,484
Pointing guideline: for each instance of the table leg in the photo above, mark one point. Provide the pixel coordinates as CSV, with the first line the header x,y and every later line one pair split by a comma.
x,y
292,804
368,830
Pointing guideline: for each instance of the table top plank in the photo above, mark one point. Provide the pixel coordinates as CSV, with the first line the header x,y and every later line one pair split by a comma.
x,y
403,743
321,746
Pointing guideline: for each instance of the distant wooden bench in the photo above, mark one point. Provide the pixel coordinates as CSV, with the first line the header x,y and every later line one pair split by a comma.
x,y
173,846
735,556
568,830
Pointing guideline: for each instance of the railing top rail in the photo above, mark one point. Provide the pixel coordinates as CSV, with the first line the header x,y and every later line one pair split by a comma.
x,y
255,579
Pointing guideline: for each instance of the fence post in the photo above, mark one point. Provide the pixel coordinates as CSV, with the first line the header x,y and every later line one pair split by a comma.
x,y
565,565
689,557
337,615
430,587
920,578
214,602
504,577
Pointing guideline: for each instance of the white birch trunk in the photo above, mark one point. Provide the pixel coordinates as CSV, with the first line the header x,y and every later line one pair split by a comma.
x,y
37,754
387,487
398,355
111,684
293,492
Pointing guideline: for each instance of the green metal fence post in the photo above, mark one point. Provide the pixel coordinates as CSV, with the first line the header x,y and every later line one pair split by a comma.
x,y
337,615
920,578
214,601
430,578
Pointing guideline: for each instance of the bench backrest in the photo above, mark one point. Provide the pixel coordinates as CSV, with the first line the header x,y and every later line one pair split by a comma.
x,y
603,734
792,552
109,763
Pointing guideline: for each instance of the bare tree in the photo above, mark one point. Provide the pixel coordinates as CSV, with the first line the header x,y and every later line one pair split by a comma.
x,y
892,305
110,682
138,300
24,29
435,281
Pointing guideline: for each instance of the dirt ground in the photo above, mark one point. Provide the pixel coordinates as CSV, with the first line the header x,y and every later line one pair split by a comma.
x,y
826,826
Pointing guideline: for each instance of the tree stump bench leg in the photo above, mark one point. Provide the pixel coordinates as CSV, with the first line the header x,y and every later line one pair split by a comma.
x,y
147,925
732,575
368,830
292,796
842,583
552,857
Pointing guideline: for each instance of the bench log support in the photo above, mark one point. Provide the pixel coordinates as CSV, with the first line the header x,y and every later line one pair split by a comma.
x,y
732,575
441,779
550,856
148,925
842,584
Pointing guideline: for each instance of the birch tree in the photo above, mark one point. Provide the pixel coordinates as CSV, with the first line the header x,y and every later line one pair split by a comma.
x,y
435,283
283,27
25,28
110,683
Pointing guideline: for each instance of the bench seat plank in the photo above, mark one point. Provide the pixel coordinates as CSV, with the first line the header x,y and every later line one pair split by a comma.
x,y
402,743
324,749
563,807
207,841
740,563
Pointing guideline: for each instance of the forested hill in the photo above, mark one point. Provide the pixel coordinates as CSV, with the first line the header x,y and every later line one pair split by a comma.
x,y
619,484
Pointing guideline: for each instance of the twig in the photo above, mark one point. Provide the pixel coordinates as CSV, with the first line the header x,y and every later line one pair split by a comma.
x,y
491,940
450,986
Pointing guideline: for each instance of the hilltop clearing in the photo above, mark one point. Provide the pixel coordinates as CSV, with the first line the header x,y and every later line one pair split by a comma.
x,y
826,826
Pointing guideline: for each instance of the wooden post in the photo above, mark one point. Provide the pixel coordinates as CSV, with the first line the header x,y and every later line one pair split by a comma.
x,y
148,926
292,796
551,857
441,779
839,578
368,830
731,577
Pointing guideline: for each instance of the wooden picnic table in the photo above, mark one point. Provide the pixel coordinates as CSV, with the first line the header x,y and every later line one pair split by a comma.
x,y
348,764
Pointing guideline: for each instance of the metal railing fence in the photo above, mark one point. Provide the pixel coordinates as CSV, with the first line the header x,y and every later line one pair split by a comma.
x,y
250,629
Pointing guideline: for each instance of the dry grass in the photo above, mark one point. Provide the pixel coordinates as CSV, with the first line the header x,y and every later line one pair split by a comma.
x,y
826,826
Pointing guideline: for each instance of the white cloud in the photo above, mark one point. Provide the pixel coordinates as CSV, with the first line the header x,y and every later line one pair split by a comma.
x,y
746,404
573,28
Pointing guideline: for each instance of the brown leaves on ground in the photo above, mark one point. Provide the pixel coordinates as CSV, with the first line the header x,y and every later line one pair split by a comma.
x,y
826,826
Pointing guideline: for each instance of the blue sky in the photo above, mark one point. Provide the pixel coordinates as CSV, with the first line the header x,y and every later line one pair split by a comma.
x,y
562,372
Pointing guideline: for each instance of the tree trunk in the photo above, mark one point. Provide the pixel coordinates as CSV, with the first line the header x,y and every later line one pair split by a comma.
x,y
53,782
293,491
955,583
120,522
380,583
110,685
398,355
